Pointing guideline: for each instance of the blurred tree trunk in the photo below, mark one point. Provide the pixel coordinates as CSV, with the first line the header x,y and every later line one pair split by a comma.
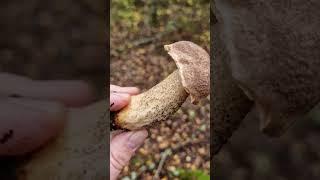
x,y
153,13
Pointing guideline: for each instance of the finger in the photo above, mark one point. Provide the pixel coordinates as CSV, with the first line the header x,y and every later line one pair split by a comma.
x,y
128,90
73,93
28,124
115,133
69,92
118,101
122,148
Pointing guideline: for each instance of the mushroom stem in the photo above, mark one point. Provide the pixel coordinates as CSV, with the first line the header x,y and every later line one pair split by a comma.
x,y
156,104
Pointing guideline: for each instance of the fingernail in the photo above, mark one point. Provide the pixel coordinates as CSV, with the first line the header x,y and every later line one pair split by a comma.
x,y
114,133
134,90
136,139
124,95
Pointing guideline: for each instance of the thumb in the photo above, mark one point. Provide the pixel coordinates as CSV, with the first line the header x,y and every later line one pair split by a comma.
x,y
122,148
27,124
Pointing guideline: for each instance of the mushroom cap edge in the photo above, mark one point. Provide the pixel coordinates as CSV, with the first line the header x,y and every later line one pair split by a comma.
x,y
193,63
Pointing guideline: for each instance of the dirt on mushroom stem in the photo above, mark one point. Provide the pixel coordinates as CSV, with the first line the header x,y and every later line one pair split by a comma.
x,y
165,98
156,104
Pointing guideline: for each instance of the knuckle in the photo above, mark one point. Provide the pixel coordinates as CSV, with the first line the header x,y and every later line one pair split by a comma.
x,y
119,160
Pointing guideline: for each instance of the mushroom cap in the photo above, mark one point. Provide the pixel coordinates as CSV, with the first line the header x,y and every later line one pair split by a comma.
x,y
276,70
193,63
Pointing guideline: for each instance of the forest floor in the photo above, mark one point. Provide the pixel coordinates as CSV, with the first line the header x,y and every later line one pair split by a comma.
x,y
184,138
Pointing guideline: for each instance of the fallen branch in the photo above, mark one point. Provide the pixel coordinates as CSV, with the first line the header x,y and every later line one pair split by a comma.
x,y
164,156
148,40
168,152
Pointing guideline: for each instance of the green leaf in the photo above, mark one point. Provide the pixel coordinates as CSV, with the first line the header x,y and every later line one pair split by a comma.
x,y
193,174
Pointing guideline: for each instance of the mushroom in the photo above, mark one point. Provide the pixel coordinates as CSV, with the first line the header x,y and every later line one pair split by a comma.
x,y
191,78
78,155
263,68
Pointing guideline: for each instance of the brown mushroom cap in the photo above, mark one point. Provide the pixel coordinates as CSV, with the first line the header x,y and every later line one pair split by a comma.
x,y
193,63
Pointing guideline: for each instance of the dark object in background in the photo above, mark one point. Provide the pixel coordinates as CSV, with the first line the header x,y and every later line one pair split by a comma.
x,y
60,39
230,103
276,65
273,57
54,39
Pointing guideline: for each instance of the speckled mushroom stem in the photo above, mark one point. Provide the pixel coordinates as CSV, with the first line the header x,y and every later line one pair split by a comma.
x,y
154,105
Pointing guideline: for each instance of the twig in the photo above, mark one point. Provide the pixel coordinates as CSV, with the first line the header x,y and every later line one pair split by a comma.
x,y
164,156
149,40
169,151
189,143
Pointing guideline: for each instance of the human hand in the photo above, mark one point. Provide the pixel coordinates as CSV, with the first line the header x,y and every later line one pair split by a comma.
x,y
123,144
33,112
